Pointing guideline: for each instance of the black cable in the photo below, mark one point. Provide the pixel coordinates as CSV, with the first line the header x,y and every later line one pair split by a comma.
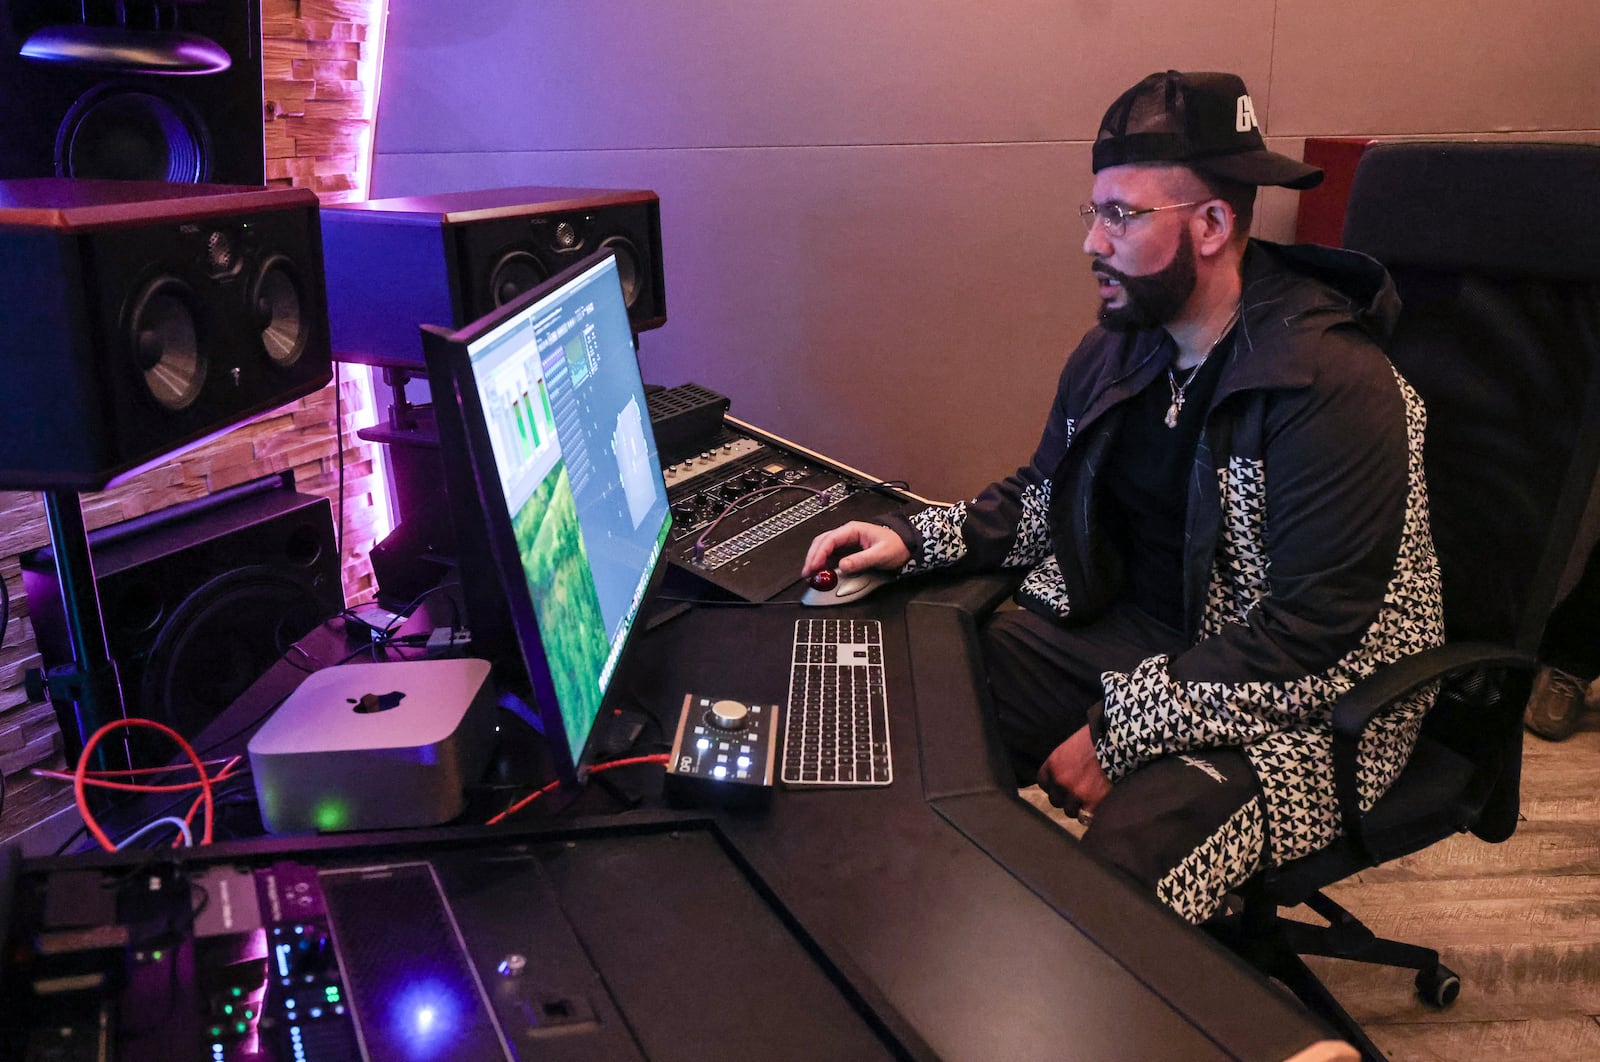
x,y
338,427
5,609
699,602
81,830
252,724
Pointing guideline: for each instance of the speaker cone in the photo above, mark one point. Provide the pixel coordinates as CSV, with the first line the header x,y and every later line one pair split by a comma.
x,y
627,266
513,274
278,307
166,349
130,135
219,640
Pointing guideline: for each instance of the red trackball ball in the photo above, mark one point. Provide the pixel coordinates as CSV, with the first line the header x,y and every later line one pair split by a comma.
x,y
824,579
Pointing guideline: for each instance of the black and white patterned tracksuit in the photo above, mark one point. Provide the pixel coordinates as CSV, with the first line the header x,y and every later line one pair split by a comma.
x,y
1308,559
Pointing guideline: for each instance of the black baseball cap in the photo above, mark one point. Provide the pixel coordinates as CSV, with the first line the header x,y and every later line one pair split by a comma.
x,y
1201,120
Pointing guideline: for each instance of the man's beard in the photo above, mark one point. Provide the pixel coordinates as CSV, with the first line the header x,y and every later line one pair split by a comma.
x,y
1154,298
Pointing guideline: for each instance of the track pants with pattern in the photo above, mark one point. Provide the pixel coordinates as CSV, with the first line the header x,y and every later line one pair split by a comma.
x,y
1189,827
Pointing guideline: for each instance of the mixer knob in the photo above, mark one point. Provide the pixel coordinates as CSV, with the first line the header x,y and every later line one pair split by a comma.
x,y
728,715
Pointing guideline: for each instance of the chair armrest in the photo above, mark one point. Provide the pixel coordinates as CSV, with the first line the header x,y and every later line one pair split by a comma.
x,y
1379,692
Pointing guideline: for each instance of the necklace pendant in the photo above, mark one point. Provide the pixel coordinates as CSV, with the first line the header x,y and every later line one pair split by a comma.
x,y
1172,412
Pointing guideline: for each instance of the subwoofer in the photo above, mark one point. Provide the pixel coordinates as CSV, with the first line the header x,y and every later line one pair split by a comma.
x,y
137,318
394,264
158,90
197,600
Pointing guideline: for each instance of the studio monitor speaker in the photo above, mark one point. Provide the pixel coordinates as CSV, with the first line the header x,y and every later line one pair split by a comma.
x,y
157,90
197,600
138,317
394,264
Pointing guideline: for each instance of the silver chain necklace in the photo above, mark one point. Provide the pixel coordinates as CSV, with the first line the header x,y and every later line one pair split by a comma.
x,y
1179,388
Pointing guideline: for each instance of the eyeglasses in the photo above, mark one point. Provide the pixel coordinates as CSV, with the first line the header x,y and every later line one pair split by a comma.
x,y
1114,216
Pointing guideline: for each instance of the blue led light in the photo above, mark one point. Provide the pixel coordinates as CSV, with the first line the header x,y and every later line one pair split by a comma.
x,y
427,1017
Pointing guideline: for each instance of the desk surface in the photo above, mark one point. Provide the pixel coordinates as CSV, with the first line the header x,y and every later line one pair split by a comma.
x,y
961,922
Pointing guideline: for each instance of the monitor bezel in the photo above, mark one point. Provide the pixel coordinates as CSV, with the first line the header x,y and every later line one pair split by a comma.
x,y
500,609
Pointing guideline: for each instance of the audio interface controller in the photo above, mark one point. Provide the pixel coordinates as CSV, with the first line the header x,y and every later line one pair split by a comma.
x,y
724,752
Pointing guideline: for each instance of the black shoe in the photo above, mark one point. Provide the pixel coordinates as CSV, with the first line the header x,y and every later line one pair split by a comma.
x,y
1554,705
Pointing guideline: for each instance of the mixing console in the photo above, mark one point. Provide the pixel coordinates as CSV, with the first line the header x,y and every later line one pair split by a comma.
x,y
744,511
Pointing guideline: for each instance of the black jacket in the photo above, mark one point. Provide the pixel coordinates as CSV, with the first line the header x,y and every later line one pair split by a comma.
x,y
1308,560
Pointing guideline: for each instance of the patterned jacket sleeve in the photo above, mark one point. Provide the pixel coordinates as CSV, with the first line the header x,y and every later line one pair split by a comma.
x,y
1005,526
1325,571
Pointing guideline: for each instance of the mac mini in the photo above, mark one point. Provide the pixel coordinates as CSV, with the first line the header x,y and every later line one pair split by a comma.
x,y
375,746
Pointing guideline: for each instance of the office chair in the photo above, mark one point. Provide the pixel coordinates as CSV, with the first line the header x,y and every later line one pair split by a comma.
x,y
1495,249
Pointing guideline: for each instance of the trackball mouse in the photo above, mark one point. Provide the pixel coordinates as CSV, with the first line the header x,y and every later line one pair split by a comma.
x,y
829,587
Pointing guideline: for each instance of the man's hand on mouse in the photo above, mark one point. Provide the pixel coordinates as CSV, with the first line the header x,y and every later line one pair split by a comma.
x,y
858,546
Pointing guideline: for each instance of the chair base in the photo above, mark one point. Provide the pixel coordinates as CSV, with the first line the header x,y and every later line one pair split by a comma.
x,y
1274,946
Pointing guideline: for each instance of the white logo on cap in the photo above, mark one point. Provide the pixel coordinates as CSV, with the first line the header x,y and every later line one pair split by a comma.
x,y
1244,116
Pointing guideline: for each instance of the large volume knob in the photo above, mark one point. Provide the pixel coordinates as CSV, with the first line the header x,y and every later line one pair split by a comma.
x,y
728,715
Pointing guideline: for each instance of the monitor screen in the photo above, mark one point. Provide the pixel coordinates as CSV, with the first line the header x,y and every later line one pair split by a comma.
x,y
550,457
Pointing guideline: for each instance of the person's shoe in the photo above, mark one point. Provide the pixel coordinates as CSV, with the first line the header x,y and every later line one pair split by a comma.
x,y
1554,705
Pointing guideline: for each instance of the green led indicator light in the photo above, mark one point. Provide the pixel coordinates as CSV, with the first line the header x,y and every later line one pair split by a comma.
x,y
227,1008
155,956
331,815
237,991
332,993
241,1028
216,1030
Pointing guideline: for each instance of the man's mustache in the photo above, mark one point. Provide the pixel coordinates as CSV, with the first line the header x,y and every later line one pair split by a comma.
x,y
1099,268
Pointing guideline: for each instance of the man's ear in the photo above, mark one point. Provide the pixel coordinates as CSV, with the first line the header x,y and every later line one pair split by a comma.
x,y
1213,227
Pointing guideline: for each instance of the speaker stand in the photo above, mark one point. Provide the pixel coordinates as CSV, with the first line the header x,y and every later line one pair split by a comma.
x,y
86,693
420,552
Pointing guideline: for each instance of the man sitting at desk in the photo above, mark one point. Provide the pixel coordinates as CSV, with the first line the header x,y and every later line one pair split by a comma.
x,y
1224,525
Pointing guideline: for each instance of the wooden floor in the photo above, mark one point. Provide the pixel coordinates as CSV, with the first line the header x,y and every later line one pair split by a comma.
x,y
1518,921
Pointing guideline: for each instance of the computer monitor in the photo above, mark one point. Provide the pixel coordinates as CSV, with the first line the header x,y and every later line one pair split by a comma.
x,y
556,489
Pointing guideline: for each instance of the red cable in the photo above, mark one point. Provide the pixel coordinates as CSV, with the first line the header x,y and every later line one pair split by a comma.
x,y
45,772
125,787
220,776
80,777
659,757
524,802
